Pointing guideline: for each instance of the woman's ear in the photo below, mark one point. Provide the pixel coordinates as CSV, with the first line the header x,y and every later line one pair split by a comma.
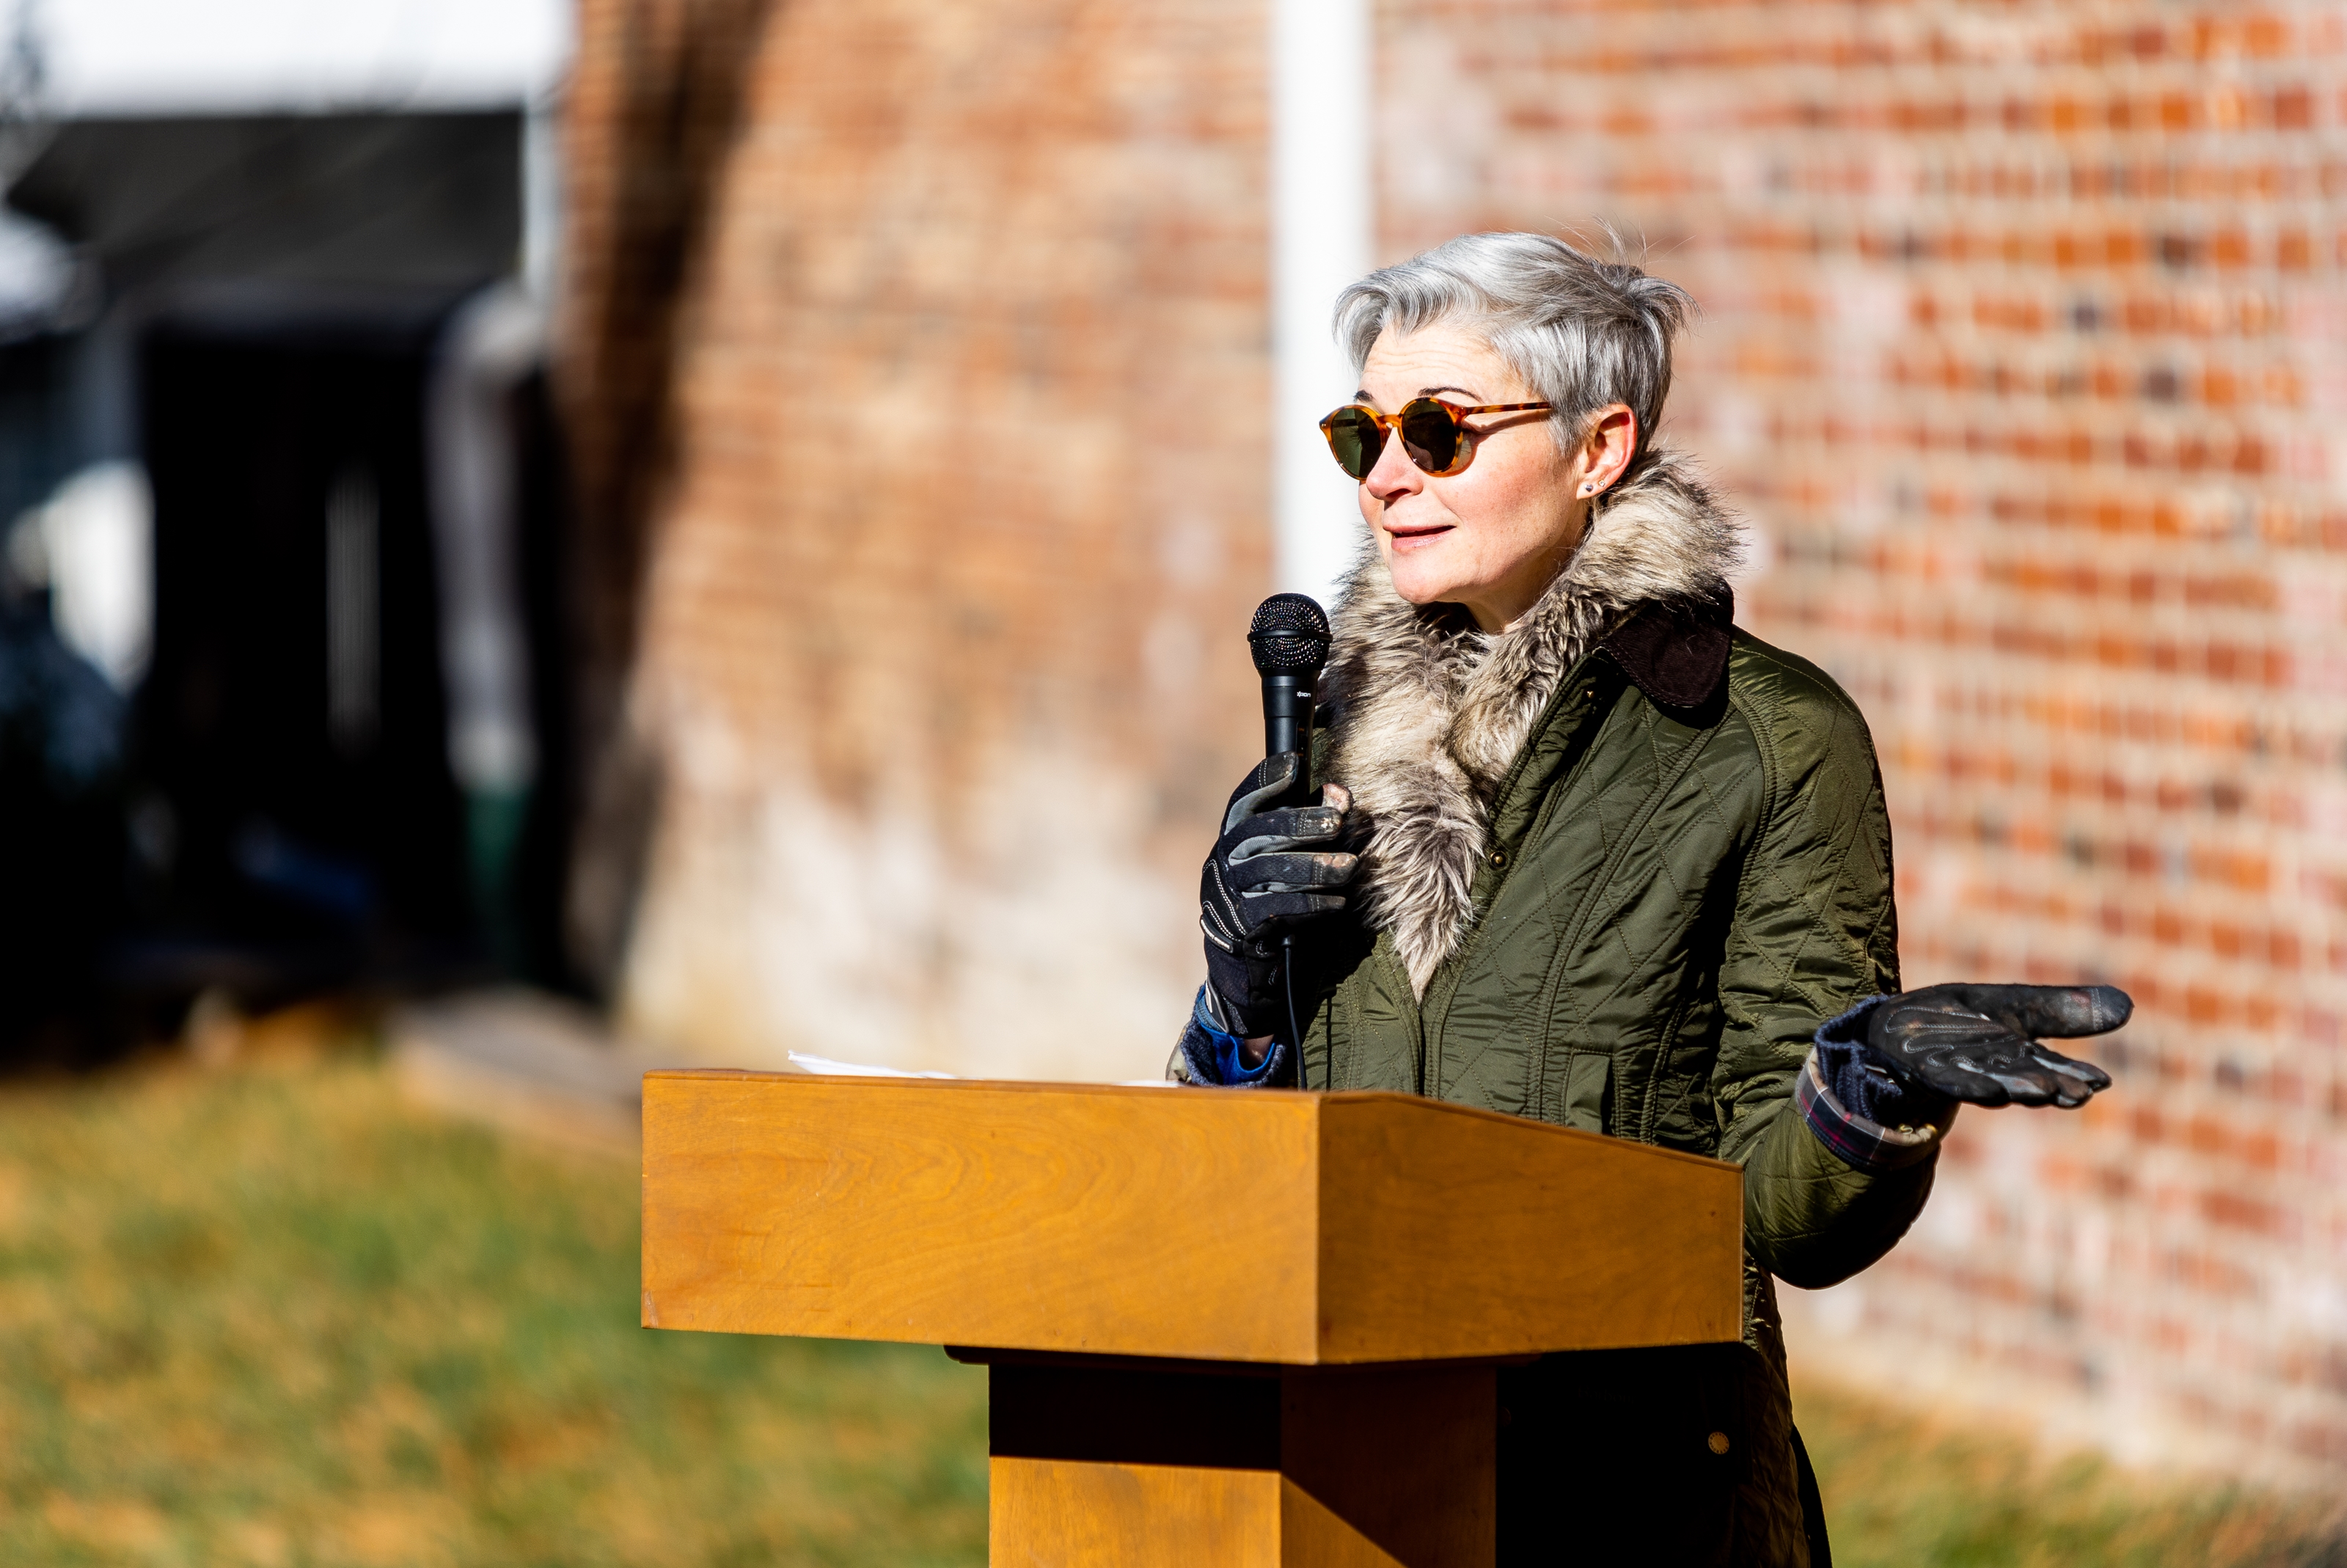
x,y
1612,438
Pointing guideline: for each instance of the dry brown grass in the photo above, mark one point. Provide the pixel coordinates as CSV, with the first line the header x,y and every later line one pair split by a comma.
x,y
1910,1490
273,1315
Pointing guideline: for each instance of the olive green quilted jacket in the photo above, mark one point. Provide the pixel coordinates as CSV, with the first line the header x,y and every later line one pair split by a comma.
x,y
1673,900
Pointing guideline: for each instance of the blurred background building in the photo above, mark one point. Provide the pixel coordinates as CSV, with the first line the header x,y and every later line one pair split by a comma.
x,y
273,434
826,634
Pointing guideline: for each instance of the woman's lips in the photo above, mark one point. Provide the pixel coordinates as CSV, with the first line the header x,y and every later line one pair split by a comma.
x,y
1406,539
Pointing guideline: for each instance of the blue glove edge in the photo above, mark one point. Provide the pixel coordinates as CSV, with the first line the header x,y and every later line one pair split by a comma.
x,y
1212,1055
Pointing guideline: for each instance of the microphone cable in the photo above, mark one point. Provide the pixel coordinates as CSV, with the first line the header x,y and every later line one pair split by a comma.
x,y
1288,979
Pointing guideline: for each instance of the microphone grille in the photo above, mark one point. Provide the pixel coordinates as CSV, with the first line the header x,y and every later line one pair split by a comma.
x,y
1289,637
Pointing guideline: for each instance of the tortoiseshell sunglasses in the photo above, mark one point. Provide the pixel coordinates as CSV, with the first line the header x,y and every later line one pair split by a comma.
x,y
1433,433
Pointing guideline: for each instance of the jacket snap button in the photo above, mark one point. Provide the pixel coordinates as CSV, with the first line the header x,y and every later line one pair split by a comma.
x,y
1717,1442
1498,858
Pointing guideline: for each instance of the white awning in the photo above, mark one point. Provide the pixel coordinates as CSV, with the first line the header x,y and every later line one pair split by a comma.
x,y
114,57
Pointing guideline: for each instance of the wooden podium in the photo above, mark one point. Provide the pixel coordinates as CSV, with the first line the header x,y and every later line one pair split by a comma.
x,y
1224,1328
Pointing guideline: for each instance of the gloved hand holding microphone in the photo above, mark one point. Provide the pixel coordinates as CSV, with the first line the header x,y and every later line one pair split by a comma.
x,y
1278,867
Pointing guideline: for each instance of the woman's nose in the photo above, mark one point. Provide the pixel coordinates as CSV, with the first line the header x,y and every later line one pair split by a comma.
x,y
1394,474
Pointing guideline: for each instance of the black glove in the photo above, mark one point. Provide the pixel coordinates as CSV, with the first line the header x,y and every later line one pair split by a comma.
x,y
1979,1043
1264,881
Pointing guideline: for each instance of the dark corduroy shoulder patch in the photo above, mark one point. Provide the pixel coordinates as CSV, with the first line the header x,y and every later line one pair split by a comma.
x,y
1676,652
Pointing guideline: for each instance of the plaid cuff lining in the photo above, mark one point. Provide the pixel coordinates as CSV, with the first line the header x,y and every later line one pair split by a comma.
x,y
1860,1143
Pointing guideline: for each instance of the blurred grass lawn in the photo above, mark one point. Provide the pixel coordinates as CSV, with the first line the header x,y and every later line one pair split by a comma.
x,y
275,1315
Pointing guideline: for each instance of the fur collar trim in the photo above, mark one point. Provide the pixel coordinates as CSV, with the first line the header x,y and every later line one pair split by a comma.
x,y
1432,712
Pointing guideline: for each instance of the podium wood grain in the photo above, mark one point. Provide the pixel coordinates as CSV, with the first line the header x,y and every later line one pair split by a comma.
x,y
1214,1225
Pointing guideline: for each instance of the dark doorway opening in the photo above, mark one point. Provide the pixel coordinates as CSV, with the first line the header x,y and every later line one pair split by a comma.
x,y
304,828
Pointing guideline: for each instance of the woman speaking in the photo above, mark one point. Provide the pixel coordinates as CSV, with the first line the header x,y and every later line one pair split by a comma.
x,y
1585,851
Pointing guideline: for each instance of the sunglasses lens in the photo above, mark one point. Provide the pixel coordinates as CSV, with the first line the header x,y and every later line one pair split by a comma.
x,y
1431,436
1356,438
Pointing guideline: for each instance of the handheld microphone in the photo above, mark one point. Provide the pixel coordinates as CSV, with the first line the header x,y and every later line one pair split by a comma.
x,y
1289,640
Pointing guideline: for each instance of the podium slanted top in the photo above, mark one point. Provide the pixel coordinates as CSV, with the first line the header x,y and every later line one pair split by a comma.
x,y
1219,1225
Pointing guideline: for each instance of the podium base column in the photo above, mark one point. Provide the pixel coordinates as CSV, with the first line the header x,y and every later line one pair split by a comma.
x,y
1101,1460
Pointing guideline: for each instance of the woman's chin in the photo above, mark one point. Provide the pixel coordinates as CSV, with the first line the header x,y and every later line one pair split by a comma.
x,y
1421,580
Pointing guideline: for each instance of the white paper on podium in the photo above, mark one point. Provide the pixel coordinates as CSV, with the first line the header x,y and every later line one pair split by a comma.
x,y
829,1068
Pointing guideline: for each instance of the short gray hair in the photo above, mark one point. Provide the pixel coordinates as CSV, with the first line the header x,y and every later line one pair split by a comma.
x,y
1582,332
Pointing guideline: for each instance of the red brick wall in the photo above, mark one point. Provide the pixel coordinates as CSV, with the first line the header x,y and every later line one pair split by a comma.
x,y
942,646
2023,346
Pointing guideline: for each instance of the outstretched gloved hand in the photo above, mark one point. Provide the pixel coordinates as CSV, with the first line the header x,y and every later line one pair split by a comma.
x,y
1979,1043
1271,873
